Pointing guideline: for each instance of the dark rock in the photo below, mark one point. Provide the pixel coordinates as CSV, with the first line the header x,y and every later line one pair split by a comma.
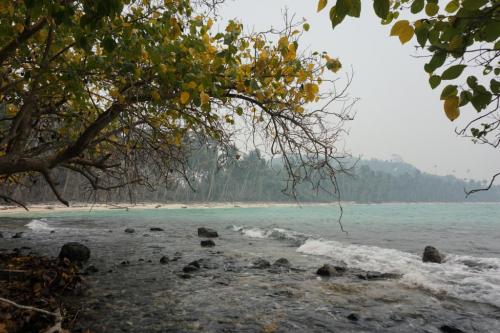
x,y
260,263
207,243
52,231
431,254
282,262
75,252
130,230
329,270
18,235
281,265
150,261
190,268
156,229
90,270
1,235
450,329
125,263
140,259
372,276
353,317
207,232
164,260
186,276
195,263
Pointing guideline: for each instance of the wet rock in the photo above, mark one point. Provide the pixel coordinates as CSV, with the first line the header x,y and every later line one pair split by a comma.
x,y
207,243
431,254
261,263
190,268
52,231
125,263
164,260
185,276
281,265
1,235
18,235
130,230
329,270
371,276
75,252
156,229
282,262
207,232
450,329
90,270
353,317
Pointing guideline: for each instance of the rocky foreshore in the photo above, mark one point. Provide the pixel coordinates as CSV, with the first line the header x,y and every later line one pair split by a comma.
x,y
143,278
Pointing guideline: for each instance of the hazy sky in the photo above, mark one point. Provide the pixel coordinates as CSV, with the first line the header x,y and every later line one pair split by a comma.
x,y
398,112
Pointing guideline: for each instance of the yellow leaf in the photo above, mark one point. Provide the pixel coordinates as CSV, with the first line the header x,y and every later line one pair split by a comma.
x,y
398,27
451,107
185,97
204,98
403,30
156,96
311,90
322,4
210,23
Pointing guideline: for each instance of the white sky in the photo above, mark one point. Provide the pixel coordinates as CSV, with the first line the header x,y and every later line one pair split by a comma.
x,y
398,112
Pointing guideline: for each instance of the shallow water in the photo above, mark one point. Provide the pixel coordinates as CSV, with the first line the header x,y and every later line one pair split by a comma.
x,y
230,296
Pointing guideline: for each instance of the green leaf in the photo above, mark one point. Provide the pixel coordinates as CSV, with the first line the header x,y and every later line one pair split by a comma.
x,y
474,4
422,33
306,26
472,82
448,91
495,86
355,10
108,44
417,6
335,18
434,81
343,7
437,61
381,8
465,97
453,72
431,9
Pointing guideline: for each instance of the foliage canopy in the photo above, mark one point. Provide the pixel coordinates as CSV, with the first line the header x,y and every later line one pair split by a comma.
x,y
461,36
100,87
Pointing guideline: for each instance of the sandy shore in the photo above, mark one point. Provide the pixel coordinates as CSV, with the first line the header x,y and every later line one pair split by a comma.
x,y
36,208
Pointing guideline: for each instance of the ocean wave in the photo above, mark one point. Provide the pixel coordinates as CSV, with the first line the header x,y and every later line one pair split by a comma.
x,y
464,277
39,225
296,238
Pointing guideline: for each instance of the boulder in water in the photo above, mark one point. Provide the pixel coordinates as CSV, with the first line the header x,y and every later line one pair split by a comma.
x,y
190,268
1,235
353,317
75,252
156,229
260,263
164,260
18,235
282,262
207,243
130,230
207,232
372,276
450,329
431,254
329,270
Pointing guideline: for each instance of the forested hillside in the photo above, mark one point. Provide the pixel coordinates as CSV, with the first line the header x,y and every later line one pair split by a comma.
x,y
251,177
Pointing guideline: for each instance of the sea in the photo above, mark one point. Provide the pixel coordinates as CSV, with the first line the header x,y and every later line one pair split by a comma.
x,y
388,238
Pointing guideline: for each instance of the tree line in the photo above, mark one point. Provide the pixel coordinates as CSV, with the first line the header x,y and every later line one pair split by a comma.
x,y
253,177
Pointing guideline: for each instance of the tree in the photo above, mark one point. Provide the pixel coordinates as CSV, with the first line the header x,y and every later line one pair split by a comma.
x,y
459,35
103,87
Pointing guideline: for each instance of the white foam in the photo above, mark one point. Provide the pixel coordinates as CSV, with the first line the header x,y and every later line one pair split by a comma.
x,y
39,225
480,283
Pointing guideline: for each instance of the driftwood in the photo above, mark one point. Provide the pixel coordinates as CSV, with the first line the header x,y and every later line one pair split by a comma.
x,y
58,319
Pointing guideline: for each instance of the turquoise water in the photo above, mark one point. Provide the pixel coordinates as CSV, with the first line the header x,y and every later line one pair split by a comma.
x,y
381,237
472,229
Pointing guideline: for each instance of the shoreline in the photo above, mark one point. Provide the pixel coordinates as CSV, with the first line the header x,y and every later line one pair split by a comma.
x,y
82,206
